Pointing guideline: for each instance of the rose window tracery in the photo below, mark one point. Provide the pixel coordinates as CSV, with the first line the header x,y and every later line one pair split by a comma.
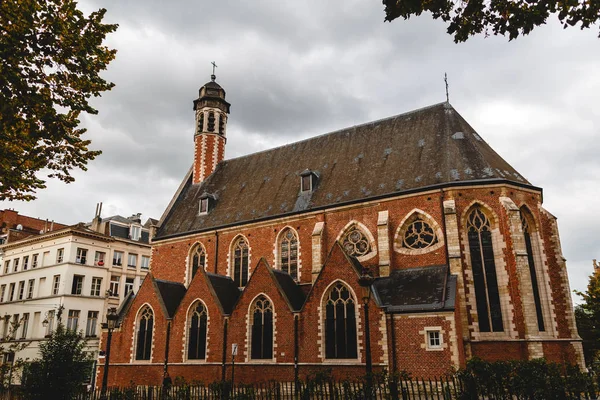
x,y
355,243
419,235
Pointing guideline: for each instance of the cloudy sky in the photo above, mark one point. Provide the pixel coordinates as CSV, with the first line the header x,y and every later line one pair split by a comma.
x,y
293,70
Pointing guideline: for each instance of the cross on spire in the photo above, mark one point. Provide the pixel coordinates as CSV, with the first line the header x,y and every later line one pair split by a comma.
x,y
213,76
446,81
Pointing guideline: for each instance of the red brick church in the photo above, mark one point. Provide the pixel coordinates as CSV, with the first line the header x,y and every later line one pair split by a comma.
x,y
265,251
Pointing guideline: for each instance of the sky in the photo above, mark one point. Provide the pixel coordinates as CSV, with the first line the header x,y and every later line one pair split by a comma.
x,y
293,70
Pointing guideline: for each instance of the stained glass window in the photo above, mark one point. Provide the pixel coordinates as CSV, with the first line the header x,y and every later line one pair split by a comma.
x,y
197,332
240,262
289,253
144,335
340,324
532,272
262,329
419,235
355,242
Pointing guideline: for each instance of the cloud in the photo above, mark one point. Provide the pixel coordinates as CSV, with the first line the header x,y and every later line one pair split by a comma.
x,y
293,70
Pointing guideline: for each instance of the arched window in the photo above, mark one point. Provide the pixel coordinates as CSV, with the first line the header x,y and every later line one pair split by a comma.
x,y
222,121
240,262
527,231
144,334
355,242
197,260
340,323
201,122
288,251
418,234
484,272
198,323
211,121
262,329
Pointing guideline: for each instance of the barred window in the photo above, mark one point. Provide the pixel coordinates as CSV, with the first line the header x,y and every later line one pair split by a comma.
x,y
197,331
197,260
289,253
340,324
487,295
355,242
240,262
262,329
419,234
532,269
201,122
211,121
144,334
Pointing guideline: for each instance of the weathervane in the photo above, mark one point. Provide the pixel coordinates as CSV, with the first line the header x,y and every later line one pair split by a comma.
x,y
446,81
213,76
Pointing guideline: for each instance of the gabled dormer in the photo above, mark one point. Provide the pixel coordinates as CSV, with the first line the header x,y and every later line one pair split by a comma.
x,y
308,181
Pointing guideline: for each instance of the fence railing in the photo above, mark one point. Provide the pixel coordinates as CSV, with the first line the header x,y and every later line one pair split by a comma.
x,y
444,388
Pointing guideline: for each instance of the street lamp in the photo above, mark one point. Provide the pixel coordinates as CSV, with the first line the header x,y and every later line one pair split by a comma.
x,y
112,322
365,281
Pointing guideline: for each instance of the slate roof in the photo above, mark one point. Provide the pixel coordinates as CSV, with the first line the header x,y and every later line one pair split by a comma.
x,y
418,150
290,289
416,289
172,293
226,290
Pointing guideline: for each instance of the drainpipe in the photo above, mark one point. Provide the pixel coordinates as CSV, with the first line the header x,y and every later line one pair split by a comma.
x,y
166,365
445,247
216,250
224,365
296,353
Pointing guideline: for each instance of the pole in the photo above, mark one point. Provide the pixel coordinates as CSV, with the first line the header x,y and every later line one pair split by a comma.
x,y
232,370
296,351
106,364
368,352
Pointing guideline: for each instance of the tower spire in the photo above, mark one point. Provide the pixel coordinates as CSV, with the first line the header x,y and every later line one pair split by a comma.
x,y
446,81
213,77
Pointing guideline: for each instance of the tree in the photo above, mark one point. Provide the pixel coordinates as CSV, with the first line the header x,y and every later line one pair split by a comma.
x,y
9,369
50,59
587,315
62,369
501,17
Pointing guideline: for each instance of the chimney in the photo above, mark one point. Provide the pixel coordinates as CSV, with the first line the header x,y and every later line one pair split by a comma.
x,y
97,219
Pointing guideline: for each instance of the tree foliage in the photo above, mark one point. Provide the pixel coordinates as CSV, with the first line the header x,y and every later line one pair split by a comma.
x,y
51,55
587,315
499,17
62,370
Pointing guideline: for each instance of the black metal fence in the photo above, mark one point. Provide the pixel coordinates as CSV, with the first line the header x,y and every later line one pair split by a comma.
x,y
445,388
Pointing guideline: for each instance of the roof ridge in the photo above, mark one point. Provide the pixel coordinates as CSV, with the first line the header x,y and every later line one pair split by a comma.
x,y
340,130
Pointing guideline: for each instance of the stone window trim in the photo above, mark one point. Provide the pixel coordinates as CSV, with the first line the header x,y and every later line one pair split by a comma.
x,y
248,339
188,320
427,333
231,256
189,261
541,266
322,328
410,217
136,325
277,250
510,331
366,232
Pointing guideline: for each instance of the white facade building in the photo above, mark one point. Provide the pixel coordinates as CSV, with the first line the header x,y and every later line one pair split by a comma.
x,y
81,269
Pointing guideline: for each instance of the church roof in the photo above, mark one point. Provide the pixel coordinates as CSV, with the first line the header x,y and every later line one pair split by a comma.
x,y
416,289
423,149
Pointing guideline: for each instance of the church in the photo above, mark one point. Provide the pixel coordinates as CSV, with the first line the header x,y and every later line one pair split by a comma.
x,y
405,243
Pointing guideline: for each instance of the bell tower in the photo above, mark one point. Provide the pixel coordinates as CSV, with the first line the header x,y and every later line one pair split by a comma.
x,y
211,123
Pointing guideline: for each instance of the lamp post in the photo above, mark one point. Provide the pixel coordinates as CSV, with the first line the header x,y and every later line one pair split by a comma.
x,y
111,323
365,281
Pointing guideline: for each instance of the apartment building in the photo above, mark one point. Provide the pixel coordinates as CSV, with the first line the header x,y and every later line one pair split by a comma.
x,y
80,270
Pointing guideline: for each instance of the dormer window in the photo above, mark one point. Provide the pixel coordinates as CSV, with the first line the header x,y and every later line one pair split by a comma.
x,y
207,202
136,232
308,180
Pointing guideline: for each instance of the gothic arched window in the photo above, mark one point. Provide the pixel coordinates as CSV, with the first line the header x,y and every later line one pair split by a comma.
x,y
340,323
240,262
355,242
222,124
288,251
201,122
527,231
143,349
487,296
262,329
418,234
197,260
198,324
211,121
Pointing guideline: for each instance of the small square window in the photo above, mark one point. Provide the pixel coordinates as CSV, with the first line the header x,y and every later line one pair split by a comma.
x,y
434,339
